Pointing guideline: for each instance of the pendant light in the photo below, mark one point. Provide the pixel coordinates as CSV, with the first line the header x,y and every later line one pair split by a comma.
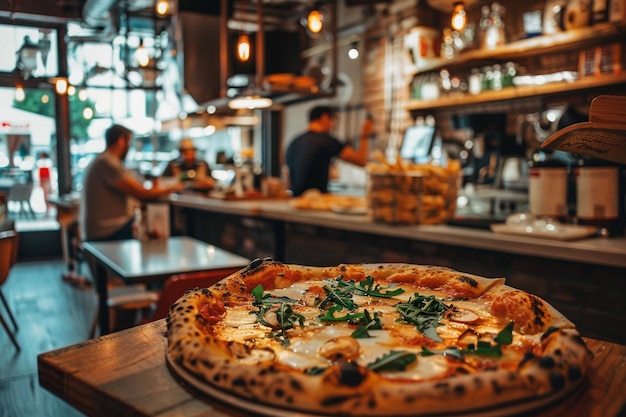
x,y
244,48
353,52
314,20
20,94
459,17
162,8
61,85
142,56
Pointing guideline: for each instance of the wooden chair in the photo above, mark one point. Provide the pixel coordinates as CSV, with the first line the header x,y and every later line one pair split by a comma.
x,y
8,257
124,299
175,286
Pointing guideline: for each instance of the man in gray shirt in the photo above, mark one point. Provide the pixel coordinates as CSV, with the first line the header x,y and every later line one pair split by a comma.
x,y
109,190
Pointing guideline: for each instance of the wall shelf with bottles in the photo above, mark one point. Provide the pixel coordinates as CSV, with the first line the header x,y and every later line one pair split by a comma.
x,y
539,45
530,52
518,92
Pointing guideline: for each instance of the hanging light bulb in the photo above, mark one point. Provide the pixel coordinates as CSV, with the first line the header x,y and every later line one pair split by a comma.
x,y
244,49
459,17
353,52
20,94
141,55
162,8
60,85
315,21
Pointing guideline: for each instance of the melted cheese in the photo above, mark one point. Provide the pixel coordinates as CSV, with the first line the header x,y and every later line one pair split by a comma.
x,y
304,344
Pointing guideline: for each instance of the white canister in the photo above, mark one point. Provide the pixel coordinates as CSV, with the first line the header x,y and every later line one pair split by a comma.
x,y
597,195
547,191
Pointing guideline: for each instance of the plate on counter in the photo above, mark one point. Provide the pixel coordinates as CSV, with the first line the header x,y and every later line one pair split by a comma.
x,y
564,232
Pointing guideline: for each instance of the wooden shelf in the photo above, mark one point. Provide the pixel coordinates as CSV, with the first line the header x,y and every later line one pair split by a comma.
x,y
539,45
511,93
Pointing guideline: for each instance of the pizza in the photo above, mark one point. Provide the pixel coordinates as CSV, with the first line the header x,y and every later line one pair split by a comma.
x,y
374,340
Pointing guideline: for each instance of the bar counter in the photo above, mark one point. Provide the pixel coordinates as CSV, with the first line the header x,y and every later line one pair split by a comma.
x,y
597,250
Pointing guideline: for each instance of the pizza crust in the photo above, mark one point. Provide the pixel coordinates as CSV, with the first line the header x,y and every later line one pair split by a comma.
x,y
249,365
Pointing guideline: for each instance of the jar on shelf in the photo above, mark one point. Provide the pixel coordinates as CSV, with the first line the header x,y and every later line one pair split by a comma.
x,y
474,82
508,74
496,79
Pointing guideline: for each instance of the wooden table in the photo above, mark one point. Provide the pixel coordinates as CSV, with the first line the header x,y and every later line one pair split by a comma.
x,y
151,261
126,374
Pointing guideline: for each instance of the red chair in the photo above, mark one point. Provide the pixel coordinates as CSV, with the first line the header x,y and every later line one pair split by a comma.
x,y
175,286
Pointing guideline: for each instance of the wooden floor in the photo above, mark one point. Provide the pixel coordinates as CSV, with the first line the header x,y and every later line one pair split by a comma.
x,y
50,314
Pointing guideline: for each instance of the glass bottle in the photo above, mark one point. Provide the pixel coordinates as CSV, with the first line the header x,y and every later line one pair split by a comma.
x,y
484,24
496,80
494,35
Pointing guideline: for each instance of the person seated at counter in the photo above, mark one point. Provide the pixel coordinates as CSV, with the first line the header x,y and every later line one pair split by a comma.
x,y
310,154
110,191
187,168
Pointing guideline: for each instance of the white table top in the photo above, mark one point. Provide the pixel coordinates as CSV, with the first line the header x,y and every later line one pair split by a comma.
x,y
135,260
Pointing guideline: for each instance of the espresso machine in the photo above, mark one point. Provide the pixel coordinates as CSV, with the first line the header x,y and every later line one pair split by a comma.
x,y
495,181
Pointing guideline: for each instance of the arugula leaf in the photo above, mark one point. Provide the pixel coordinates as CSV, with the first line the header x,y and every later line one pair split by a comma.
x,y
258,294
393,361
452,351
424,311
316,370
285,316
367,322
261,297
286,319
367,287
340,298
483,348
505,336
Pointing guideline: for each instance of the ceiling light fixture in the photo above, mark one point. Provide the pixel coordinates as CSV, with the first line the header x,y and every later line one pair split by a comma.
x,y
459,17
314,20
20,94
244,49
61,85
162,8
142,57
353,52
250,103
27,57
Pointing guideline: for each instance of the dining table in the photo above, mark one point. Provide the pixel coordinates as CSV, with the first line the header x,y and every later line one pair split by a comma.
x,y
127,373
152,261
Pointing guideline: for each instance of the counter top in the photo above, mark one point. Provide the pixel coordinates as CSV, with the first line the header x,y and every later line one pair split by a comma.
x,y
126,374
595,250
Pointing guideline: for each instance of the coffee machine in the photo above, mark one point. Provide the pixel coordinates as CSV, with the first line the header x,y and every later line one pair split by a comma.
x,y
495,172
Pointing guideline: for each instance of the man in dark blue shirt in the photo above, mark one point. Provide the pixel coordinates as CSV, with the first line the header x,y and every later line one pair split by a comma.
x,y
310,154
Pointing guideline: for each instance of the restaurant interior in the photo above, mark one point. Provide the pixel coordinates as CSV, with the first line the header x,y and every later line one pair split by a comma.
x,y
467,101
